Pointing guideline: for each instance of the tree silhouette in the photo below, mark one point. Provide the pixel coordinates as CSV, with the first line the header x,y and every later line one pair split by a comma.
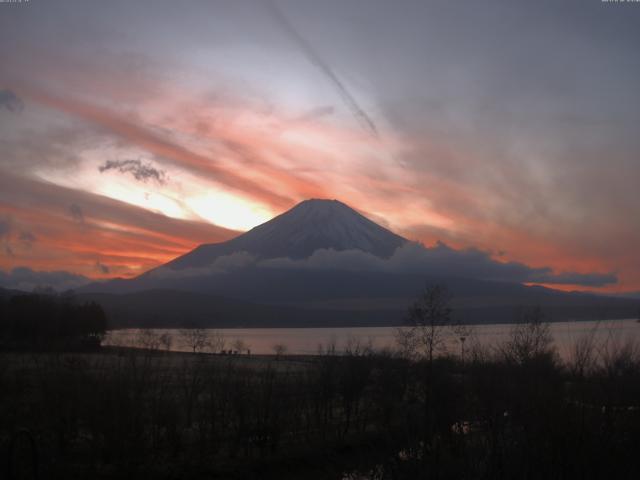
x,y
280,349
428,318
529,339
46,321
196,339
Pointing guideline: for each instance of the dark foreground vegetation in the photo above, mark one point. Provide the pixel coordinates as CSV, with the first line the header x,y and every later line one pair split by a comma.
x,y
514,411
49,321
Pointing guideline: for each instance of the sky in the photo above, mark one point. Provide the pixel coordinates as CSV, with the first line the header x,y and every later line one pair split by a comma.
x,y
131,132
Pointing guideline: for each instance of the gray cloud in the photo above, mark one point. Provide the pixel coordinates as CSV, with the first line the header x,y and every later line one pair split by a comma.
x,y
27,238
140,171
630,295
102,268
316,113
440,260
26,279
76,213
10,101
5,227
223,264
5,235
573,278
316,59
37,144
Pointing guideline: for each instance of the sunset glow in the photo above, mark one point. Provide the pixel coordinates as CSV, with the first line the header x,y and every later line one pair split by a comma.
x,y
116,160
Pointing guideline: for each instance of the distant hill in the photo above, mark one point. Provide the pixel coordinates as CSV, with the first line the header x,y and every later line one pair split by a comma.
x,y
174,308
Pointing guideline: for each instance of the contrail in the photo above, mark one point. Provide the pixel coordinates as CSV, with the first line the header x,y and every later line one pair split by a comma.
x,y
314,57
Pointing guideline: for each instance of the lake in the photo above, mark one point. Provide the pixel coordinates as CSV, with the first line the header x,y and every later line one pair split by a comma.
x,y
305,341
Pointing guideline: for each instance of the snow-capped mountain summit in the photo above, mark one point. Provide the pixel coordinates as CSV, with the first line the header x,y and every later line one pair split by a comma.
x,y
309,226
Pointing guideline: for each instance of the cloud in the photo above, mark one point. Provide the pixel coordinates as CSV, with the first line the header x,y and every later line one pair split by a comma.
x,y
158,143
76,213
26,279
127,238
140,171
10,101
573,278
630,295
439,261
517,146
363,118
414,258
5,235
27,238
223,264
39,199
102,268
316,113
5,227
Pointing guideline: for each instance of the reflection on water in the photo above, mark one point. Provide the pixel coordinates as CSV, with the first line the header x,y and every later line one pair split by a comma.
x,y
304,341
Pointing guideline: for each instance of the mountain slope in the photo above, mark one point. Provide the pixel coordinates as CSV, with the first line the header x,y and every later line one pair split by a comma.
x,y
297,233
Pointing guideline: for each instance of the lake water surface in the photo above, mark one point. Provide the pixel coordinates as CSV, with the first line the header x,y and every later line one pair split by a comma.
x,y
305,341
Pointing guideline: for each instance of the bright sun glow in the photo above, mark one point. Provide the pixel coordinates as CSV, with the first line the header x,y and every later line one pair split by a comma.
x,y
200,201
228,211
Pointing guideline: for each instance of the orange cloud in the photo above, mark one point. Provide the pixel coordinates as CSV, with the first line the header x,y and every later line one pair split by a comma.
x,y
258,159
252,174
126,238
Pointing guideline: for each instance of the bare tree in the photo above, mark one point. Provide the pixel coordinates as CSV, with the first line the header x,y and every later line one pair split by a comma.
x,y
584,359
428,319
407,342
330,349
239,345
529,339
357,347
619,356
280,349
216,341
166,341
462,334
148,339
195,339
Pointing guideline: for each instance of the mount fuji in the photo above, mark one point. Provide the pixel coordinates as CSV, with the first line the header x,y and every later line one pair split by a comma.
x,y
310,226
322,263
